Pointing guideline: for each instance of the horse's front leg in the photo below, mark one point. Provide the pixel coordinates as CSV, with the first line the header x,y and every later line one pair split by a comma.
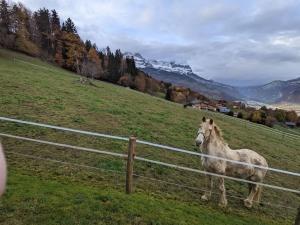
x,y
249,201
223,200
209,184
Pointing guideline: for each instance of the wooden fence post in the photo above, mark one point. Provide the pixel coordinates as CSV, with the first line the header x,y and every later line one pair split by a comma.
x,y
297,221
130,158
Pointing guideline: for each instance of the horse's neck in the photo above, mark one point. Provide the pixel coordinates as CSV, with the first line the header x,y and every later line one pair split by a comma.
x,y
214,146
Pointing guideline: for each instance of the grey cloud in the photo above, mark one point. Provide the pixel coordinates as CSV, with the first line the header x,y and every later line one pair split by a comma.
x,y
225,40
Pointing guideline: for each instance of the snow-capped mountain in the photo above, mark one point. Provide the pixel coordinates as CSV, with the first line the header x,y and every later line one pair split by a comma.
x,y
183,75
159,64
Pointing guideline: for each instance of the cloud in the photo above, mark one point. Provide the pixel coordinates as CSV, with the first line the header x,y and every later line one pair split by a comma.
x,y
236,42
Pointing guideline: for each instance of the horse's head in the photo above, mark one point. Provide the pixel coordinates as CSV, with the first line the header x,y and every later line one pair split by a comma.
x,y
204,131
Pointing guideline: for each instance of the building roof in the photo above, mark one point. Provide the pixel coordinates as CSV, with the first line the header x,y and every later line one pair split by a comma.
x,y
290,123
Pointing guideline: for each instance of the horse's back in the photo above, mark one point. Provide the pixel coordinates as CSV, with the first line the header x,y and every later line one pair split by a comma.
x,y
252,157
246,171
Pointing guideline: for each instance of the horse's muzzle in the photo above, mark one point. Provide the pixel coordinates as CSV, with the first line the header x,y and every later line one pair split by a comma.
x,y
198,143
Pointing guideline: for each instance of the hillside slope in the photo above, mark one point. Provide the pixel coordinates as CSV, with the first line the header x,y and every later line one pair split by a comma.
x,y
50,193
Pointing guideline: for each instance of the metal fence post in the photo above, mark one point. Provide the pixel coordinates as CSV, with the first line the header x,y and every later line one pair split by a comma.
x,y
130,158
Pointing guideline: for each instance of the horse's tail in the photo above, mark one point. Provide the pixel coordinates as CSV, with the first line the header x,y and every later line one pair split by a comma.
x,y
257,196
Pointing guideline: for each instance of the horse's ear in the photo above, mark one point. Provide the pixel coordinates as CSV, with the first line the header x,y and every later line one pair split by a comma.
x,y
203,119
211,121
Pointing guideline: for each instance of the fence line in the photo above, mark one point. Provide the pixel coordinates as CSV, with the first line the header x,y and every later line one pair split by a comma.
x,y
64,128
218,158
215,174
64,145
147,143
214,192
151,161
138,175
64,162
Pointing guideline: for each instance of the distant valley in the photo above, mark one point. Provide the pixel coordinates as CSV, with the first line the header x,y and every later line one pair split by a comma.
x,y
272,93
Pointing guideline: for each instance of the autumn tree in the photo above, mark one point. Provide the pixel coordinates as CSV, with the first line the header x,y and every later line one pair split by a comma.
x,y
280,115
58,57
256,116
270,121
6,39
92,64
22,42
73,51
240,115
291,116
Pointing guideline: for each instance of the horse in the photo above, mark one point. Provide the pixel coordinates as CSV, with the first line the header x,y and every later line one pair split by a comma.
x,y
210,141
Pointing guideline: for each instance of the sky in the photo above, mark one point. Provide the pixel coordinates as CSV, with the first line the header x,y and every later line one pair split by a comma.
x,y
235,42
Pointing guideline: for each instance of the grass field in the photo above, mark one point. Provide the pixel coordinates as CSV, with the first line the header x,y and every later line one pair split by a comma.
x,y
44,192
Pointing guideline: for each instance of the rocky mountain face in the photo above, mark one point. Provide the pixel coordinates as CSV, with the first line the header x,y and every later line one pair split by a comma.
x,y
183,75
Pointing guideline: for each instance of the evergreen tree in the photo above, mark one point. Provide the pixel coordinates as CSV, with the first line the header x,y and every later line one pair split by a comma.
x,y
6,39
42,17
55,21
108,52
4,17
131,67
88,45
69,26
56,44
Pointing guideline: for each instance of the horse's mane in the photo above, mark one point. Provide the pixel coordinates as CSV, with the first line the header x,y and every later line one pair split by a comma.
x,y
218,133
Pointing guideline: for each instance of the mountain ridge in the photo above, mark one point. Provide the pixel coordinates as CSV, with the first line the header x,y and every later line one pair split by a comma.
x,y
182,74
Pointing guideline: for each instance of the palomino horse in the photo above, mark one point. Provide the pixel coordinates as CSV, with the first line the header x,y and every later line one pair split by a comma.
x,y
210,142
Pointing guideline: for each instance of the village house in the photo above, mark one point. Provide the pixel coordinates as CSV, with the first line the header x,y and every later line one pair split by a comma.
x,y
290,124
223,109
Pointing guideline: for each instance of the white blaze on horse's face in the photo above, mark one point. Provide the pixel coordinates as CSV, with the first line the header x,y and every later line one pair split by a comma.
x,y
200,137
204,131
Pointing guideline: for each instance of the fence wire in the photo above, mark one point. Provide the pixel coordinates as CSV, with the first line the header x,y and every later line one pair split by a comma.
x,y
139,176
150,161
145,143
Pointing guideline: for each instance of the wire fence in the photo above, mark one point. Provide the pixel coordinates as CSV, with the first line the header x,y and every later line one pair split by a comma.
x,y
138,141
77,165
124,156
151,161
